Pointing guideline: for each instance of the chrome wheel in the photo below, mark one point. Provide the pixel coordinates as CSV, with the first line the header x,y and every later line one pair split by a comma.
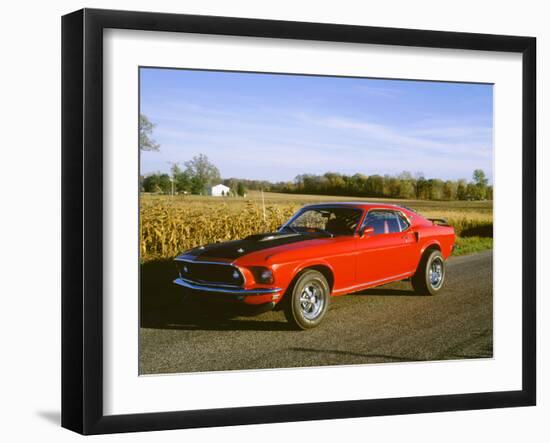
x,y
306,306
312,300
436,273
429,277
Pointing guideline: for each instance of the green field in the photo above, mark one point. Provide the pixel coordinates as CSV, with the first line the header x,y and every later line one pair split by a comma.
x,y
172,224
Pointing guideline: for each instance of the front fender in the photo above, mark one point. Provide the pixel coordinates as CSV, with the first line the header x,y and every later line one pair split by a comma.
x,y
313,264
286,273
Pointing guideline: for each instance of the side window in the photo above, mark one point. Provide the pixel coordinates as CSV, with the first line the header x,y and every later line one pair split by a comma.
x,y
385,222
375,219
403,223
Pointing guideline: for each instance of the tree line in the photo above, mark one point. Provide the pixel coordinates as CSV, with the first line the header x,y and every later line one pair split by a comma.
x,y
402,186
199,173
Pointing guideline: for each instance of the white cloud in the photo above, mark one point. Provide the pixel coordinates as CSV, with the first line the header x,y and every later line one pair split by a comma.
x,y
434,140
278,144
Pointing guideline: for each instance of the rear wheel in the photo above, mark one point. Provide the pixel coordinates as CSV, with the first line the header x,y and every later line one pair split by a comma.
x,y
308,300
430,275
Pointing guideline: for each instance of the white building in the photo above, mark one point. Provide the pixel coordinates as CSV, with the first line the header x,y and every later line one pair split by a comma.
x,y
218,190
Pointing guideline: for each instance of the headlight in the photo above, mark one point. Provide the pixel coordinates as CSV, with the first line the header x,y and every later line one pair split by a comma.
x,y
262,275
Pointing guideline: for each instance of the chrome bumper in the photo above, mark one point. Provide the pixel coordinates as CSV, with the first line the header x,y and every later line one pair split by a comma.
x,y
225,290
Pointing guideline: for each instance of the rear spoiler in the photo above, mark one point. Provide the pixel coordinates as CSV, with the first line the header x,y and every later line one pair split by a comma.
x,y
439,221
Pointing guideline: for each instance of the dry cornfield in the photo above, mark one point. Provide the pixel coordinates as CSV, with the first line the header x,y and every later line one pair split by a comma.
x,y
172,224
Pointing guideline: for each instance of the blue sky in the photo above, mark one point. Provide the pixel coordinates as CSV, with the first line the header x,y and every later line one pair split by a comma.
x,y
274,127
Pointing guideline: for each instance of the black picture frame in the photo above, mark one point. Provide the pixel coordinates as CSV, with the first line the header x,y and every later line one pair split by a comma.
x,y
82,216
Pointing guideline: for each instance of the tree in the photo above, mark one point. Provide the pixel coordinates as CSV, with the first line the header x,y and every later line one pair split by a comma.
x,y
182,181
158,183
461,191
407,185
471,192
241,190
480,181
375,186
357,184
450,190
334,182
146,142
201,173
150,183
436,189
141,185
165,184
480,178
423,189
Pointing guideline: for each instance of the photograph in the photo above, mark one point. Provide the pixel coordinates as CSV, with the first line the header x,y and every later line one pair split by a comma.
x,y
289,220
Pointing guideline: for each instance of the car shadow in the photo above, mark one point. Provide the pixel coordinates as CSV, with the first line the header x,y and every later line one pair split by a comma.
x,y
389,292
187,320
162,306
157,289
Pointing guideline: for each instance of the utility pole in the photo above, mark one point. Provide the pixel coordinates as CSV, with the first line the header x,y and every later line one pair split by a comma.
x,y
263,203
173,166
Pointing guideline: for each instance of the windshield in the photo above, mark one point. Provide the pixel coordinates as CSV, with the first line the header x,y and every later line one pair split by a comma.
x,y
332,221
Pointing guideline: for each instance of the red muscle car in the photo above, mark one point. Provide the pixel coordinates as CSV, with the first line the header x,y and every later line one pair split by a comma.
x,y
324,250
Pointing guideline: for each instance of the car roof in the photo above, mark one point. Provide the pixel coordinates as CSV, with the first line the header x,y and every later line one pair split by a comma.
x,y
358,205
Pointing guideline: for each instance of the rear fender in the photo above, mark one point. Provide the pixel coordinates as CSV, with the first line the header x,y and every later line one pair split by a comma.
x,y
429,244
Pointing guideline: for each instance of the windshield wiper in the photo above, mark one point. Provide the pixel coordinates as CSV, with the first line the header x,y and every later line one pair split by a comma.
x,y
291,228
330,234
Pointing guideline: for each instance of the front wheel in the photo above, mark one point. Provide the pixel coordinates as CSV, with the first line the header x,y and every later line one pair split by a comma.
x,y
308,301
430,275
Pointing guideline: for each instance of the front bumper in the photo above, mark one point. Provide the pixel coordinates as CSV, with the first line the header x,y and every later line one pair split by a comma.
x,y
225,290
258,296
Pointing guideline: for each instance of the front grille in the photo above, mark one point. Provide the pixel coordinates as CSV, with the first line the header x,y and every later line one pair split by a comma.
x,y
210,273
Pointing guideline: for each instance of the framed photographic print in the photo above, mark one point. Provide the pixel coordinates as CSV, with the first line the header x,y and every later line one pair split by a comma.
x,y
269,221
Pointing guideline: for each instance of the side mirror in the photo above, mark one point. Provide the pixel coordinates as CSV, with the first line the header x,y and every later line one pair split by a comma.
x,y
367,231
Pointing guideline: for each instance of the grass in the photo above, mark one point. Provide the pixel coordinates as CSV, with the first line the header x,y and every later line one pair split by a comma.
x,y
171,224
470,245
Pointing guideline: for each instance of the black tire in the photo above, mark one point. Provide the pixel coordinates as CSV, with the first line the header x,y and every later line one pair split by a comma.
x,y
430,275
307,314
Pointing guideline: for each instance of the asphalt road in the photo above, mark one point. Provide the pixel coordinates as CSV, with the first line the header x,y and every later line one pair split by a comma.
x,y
385,324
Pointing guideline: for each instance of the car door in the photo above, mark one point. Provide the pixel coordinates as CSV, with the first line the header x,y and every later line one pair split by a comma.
x,y
386,252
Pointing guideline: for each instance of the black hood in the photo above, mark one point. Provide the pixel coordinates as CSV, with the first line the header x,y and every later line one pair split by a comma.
x,y
238,248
